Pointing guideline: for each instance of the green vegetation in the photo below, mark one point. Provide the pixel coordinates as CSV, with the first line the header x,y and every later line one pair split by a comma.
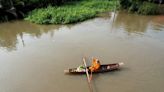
x,y
70,12
60,15
144,7
148,8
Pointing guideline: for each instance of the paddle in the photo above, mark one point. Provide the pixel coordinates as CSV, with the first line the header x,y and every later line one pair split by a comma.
x,y
91,76
86,70
91,72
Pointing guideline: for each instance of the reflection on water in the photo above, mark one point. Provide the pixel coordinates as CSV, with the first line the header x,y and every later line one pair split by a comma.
x,y
132,23
139,24
10,33
13,33
33,57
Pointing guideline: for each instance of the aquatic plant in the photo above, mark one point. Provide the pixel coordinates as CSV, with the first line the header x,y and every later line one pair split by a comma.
x,y
70,12
60,15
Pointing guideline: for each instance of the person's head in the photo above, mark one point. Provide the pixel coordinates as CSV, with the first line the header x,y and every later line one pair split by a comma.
x,y
96,60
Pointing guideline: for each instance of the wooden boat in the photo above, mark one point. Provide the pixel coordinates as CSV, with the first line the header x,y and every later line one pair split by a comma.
x,y
103,68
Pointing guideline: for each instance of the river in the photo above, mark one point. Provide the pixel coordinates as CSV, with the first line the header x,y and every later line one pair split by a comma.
x,y
33,57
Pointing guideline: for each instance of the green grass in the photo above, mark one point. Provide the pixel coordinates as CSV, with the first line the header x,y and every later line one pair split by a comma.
x,y
70,12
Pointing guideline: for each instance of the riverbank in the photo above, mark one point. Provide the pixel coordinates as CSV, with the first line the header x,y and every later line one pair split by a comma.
x,y
70,12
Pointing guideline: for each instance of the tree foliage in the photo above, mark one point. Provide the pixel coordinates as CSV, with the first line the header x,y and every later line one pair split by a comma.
x,y
145,7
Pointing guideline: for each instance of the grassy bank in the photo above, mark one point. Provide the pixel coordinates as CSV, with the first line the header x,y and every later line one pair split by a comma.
x,y
70,12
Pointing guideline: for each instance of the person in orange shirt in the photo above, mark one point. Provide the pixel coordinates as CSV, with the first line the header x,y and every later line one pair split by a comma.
x,y
95,65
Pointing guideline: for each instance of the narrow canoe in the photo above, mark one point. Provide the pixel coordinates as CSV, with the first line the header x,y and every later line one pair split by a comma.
x,y
103,68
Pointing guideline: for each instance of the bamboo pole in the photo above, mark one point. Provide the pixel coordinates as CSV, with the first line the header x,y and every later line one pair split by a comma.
x,y
88,78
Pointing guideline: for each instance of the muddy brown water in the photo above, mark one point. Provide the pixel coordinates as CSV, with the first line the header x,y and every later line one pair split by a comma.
x,y
33,57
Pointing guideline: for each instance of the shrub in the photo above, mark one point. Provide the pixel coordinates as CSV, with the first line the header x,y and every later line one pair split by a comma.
x,y
145,7
148,8
125,4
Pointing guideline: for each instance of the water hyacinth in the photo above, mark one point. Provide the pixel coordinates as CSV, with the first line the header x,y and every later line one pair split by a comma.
x,y
69,13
